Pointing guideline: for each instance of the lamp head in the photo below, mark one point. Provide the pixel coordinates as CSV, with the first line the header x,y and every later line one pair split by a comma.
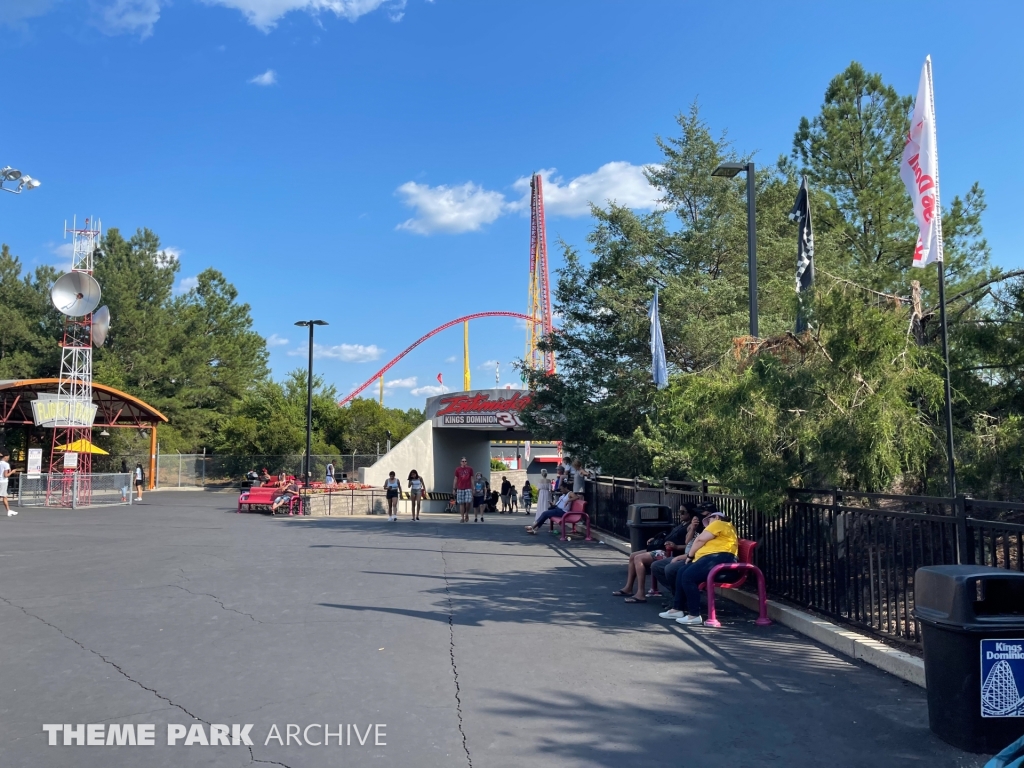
x,y
27,182
728,170
9,174
320,322
302,322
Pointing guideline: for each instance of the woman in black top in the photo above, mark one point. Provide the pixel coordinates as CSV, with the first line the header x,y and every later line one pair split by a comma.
x,y
639,562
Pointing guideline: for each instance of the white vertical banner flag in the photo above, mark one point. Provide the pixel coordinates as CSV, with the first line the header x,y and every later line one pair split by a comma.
x,y
659,367
920,172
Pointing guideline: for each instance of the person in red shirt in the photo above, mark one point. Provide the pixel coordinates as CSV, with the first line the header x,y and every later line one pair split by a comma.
x,y
463,488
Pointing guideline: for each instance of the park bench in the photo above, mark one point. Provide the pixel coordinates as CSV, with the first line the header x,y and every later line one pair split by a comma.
x,y
264,497
743,567
577,514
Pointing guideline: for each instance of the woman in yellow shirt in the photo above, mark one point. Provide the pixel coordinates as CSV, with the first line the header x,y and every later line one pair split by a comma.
x,y
716,545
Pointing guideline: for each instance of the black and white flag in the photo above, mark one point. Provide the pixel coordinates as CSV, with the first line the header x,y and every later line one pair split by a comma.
x,y
801,214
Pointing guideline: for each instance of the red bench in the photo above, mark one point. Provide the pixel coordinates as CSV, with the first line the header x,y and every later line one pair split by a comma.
x,y
264,497
577,514
744,566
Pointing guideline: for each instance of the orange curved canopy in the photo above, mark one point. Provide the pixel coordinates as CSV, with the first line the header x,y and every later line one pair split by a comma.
x,y
114,408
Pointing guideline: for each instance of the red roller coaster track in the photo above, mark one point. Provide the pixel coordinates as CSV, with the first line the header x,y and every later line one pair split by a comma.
x,y
355,393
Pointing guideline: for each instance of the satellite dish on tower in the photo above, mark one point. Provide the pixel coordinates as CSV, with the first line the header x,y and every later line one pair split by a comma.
x,y
75,294
100,326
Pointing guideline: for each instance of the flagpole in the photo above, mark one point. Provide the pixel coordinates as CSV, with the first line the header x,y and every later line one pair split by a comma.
x,y
950,457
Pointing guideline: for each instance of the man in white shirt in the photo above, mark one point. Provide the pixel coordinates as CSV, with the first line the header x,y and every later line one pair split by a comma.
x,y
5,474
560,508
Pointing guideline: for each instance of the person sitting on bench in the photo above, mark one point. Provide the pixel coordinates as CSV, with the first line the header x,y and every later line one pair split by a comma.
x,y
679,539
560,508
288,492
717,545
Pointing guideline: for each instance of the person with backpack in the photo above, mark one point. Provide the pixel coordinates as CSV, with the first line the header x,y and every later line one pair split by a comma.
x,y
481,493
527,497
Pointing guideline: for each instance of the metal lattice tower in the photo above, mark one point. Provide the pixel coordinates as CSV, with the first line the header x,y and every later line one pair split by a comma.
x,y
999,694
539,301
75,385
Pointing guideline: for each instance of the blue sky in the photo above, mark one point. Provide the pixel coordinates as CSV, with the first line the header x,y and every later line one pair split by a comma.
x,y
363,161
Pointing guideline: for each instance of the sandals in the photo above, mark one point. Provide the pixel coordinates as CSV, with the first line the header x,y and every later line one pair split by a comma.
x,y
653,593
622,593
634,600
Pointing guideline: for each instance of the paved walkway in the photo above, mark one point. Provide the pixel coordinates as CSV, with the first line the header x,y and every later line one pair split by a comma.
x,y
476,645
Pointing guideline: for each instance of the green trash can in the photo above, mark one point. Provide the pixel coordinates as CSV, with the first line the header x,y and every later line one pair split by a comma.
x,y
972,624
646,521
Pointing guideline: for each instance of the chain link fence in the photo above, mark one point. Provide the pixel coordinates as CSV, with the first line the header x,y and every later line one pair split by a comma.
x,y
198,470
74,490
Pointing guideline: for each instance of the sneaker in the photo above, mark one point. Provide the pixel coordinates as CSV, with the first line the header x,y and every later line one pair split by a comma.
x,y
12,513
672,613
690,621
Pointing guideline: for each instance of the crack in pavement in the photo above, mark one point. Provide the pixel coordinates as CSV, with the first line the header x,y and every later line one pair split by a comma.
x,y
451,652
253,758
104,659
218,601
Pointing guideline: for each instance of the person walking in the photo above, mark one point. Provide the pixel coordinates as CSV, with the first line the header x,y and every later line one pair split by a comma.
x,y
543,491
527,496
5,476
329,480
417,490
506,489
481,490
513,500
392,490
140,476
462,488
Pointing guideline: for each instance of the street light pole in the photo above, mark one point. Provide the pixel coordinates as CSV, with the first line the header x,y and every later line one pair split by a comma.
x,y
729,170
8,174
309,395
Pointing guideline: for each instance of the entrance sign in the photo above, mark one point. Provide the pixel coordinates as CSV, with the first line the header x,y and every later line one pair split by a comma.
x,y
1002,678
50,413
479,409
35,462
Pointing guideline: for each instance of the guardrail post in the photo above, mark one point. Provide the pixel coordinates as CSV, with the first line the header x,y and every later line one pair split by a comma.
x,y
964,545
74,491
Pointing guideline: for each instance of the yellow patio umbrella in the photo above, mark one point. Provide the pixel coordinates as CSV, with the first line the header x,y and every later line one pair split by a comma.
x,y
81,446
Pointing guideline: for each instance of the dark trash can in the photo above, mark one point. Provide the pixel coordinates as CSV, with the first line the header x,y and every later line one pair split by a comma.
x,y
645,521
972,624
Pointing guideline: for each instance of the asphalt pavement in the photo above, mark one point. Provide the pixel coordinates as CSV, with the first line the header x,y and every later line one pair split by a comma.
x,y
460,644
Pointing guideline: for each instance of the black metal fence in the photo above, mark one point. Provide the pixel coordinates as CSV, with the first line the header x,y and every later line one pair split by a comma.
x,y
851,556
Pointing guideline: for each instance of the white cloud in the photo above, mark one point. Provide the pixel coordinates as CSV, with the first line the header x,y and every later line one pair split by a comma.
x,y
407,383
487,365
264,14
347,353
267,78
450,359
468,207
463,208
64,250
429,390
620,181
187,284
130,16
273,340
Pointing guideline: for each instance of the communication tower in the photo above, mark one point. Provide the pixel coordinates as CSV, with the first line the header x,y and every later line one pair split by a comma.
x,y
75,294
539,301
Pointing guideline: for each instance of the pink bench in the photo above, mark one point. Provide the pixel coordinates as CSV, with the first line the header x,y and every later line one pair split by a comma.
x,y
577,514
744,566
264,497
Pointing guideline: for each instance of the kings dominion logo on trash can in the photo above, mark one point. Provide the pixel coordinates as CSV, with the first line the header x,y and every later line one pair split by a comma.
x,y
1002,676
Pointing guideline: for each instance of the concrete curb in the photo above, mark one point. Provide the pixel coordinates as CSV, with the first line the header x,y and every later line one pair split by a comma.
x,y
841,639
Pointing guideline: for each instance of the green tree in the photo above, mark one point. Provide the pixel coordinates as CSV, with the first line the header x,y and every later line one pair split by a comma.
x,y
30,327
